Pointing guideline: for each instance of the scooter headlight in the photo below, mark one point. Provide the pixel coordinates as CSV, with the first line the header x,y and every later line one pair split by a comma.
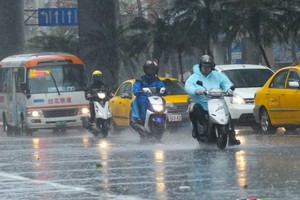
x,y
158,107
237,100
101,95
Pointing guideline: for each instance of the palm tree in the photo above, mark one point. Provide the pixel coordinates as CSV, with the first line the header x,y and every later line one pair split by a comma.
x,y
49,42
260,20
198,21
193,24
148,36
292,18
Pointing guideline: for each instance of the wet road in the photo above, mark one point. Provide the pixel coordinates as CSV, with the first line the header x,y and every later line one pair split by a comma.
x,y
78,166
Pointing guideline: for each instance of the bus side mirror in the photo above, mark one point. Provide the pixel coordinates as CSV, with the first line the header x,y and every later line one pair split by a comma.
x,y
23,87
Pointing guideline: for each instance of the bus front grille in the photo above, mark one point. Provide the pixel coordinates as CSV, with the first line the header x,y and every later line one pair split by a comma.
x,y
60,113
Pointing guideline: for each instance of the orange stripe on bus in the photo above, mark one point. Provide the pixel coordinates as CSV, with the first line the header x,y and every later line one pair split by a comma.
x,y
64,106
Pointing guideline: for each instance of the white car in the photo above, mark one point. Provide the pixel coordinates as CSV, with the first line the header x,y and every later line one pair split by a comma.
x,y
247,79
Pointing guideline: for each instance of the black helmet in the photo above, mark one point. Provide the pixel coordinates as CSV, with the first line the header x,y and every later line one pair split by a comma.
x,y
208,61
150,67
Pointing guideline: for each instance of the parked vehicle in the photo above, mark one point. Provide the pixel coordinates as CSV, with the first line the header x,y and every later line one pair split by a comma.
x,y
155,122
218,125
247,79
42,91
176,104
102,123
277,102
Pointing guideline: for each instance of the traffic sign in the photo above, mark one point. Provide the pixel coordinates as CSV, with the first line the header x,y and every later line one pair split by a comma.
x,y
236,54
57,16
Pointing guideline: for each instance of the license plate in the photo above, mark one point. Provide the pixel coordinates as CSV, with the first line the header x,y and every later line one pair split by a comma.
x,y
61,123
174,118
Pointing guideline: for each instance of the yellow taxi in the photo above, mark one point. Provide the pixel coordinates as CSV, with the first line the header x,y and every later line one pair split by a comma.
x,y
176,102
277,102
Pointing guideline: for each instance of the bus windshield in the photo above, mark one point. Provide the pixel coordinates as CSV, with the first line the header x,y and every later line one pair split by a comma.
x,y
58,78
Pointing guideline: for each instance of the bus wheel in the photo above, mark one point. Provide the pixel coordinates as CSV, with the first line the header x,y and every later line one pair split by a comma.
x,y
4,124
7,128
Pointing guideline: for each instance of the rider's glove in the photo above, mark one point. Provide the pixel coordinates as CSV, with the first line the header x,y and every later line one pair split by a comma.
x,y
230,92
88,96
147,90
162,90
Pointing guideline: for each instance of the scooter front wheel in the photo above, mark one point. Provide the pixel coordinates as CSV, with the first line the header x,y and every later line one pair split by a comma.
x,y
105,128
221,136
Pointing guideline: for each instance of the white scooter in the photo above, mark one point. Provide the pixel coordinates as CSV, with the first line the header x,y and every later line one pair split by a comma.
x,y
155,121
217,127
102,113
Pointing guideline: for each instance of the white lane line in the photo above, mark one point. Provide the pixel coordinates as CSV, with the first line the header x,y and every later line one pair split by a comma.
x,y
57,185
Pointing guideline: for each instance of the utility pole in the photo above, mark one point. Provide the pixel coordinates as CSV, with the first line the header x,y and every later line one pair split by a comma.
x,y
12,35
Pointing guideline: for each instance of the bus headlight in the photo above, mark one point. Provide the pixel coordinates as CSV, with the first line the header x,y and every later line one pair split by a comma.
x,y
84,111
34,113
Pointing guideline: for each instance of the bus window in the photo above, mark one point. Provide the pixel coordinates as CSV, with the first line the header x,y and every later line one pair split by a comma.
x,y
8,81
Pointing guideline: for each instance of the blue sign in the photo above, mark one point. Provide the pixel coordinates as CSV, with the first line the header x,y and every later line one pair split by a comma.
x,y
236,54
57,16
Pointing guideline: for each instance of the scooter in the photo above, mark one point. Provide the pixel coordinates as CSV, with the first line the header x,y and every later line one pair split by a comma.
x,y
217,127
155,122
102,113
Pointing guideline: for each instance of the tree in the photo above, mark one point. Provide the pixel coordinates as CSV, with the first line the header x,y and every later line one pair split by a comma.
x,y
292,18
148,36
193,23
49,42
260,20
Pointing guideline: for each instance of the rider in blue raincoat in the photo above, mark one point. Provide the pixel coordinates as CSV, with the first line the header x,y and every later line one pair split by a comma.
x,y
211,79
141,91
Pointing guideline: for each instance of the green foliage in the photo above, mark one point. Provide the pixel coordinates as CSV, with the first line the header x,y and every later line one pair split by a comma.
x,y
62,43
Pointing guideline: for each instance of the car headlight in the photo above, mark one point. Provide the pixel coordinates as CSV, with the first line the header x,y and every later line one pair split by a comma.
x,y
34,113
101,95
237,100
158,107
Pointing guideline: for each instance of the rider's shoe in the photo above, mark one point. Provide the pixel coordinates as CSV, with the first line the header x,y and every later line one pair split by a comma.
x,y
91,126
202,137
137,121
195,133
232,140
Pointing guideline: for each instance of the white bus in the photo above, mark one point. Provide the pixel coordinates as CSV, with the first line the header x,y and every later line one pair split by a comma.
x,y
42,91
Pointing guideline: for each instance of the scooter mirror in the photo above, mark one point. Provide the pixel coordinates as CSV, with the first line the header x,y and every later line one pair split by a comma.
x,y
232,88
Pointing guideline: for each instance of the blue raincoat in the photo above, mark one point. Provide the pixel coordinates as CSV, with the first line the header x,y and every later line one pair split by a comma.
x,y
138,105
214,80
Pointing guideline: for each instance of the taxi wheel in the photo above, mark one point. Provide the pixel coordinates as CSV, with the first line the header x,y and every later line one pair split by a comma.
x,y
265,123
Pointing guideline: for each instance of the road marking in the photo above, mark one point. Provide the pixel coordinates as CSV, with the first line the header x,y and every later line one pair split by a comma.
x,y
57,185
